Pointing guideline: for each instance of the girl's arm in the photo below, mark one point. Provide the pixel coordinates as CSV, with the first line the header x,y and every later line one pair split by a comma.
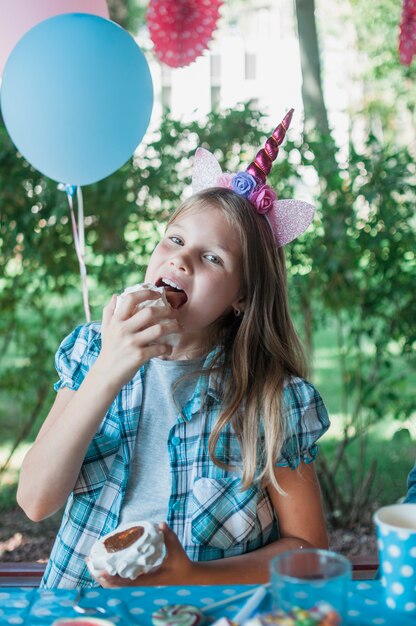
x,y
51,467
301,523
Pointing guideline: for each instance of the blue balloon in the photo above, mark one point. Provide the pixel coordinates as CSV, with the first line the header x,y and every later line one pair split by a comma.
x,y
76,97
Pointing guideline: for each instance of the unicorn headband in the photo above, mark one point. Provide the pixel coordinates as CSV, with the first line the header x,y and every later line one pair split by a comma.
x,y
287,218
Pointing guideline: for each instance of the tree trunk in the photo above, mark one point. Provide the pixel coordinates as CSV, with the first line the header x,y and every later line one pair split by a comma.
x,y
118,10
312,94
307,316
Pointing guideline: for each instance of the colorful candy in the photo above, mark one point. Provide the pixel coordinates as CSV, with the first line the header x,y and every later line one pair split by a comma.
x,y
177,615
322,614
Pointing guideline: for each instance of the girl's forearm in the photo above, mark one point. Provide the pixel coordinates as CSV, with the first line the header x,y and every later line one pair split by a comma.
x,y
250,568
178,569
51,467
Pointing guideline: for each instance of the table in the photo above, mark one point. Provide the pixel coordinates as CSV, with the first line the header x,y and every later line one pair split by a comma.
x,y
134,606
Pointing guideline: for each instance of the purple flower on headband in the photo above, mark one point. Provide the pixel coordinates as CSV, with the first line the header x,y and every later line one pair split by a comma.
x,y
225,180
243,184
263,198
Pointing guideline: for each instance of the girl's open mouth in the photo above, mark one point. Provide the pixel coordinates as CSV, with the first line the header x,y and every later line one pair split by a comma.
x,y
174,295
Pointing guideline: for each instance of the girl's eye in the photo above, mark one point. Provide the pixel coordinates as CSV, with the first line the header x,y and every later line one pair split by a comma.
x,y
213,259
176,240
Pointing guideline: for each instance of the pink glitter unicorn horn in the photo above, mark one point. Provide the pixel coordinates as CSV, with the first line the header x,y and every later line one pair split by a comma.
x,y
262,164
287,218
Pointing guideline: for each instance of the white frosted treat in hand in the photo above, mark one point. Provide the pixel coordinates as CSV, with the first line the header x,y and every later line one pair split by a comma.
x,y
131,549
162,301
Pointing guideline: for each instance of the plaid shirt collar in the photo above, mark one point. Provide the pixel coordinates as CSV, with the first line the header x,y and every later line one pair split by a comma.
x,y
206,386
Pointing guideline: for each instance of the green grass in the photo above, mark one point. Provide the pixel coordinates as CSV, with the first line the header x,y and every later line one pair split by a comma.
x,y
391,443
393,450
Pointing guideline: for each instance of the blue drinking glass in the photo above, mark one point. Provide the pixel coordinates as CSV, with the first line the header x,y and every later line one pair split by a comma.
x,y
307,578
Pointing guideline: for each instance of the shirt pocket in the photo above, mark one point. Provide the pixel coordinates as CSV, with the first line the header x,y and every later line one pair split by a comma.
x,y
222,515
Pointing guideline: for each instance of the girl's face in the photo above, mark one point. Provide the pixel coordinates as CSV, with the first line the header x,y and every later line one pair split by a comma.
x,y
199,260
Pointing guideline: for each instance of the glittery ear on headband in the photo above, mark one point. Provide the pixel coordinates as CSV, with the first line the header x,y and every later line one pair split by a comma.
x,y
288,219
206,170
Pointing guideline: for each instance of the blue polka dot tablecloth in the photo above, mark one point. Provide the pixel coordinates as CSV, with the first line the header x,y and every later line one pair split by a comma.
x,y
134,606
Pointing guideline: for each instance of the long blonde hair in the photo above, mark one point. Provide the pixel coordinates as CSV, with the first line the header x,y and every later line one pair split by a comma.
x,y
260,348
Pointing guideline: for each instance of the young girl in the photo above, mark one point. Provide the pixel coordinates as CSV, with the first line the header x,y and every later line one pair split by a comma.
x,y
216,435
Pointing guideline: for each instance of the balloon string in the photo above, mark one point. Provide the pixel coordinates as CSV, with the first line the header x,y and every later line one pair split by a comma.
x,y
80,201
79,241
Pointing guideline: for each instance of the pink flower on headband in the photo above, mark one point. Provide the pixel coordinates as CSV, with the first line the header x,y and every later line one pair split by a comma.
x,y
243,184
262,198
225,180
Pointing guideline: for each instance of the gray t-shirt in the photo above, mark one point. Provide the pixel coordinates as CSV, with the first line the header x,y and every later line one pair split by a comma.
x,y
149,483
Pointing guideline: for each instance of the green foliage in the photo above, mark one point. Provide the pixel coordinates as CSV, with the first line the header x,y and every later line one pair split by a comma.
x,y
395,457
40,295
390,86
364,260
354,266
130,14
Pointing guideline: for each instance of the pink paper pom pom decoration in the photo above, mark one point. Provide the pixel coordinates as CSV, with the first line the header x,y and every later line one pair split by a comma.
x,y
407,38
181,29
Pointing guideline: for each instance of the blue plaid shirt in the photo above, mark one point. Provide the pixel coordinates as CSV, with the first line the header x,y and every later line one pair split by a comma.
x,y
411,486
208,511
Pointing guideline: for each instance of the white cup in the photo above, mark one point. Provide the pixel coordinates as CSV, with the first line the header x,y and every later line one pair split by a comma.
x,y
396,542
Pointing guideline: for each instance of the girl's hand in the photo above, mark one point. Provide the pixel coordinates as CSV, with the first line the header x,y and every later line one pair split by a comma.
x,y
130,337
176,569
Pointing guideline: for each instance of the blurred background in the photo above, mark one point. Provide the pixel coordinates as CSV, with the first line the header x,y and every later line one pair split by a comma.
x,y
351,151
